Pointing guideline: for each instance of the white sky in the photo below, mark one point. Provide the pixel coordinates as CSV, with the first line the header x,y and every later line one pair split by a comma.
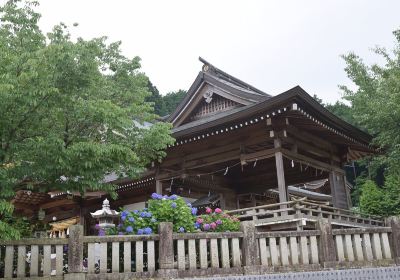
x,y
273,45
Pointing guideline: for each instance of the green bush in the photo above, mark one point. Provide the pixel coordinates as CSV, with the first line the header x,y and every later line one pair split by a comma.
x,y
217,221
160,209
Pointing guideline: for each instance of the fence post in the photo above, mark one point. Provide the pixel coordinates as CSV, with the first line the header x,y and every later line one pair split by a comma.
x,y
327,243
166,252
394,223
75,253
251,256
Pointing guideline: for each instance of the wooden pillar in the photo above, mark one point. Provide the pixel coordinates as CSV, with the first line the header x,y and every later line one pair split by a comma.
x,y
280,173
158,187
340,195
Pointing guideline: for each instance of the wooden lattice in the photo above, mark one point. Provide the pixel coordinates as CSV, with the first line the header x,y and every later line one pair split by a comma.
x,y
217,104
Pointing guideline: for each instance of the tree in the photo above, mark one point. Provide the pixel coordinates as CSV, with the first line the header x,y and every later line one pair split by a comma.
x,y
172,100
375,105
376,100
157,99
381,201
71,111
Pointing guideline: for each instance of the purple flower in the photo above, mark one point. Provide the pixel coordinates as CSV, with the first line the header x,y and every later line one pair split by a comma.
x,y
156,196
97,226
123,218
140,231
131,219
181,229
124,213
189,204
218,222
119,226
129,229
147,230
102,232
206,226
120,233
196,225
173,197
173,205
194,211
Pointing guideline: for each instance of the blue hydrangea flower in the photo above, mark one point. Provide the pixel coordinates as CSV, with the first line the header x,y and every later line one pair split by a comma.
x,y
194,211
135,211
196,225
131,219
155,196
129,229
148,215
124,213
140,231
173,197
181,229
143,214
173,205
119,226
189,204
165,197
123,218
153,220
147,230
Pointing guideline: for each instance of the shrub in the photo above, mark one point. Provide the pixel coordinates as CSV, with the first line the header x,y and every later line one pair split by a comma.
x,y
160,209
217,221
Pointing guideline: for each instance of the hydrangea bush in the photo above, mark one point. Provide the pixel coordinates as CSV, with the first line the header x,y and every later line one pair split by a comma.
x,y
160,209
172,209
217,221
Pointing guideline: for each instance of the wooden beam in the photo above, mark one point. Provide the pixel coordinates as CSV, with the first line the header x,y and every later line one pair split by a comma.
x,y
313,162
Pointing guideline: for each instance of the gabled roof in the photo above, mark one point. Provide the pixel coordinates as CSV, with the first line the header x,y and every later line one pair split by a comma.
x,y
222,84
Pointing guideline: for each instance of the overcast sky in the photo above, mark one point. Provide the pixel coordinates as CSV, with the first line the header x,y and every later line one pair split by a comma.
x,y
273,45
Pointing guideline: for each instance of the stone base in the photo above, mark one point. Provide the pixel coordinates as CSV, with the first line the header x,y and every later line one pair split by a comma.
x,y
167,273
75,276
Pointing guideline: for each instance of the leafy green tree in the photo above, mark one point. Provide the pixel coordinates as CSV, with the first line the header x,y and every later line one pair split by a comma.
x,y
172,100
376,100
381,201
157,99
71,111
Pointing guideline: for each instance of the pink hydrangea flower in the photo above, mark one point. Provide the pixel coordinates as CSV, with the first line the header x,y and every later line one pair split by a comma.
x,y
200,220
218,210
213,225
208,210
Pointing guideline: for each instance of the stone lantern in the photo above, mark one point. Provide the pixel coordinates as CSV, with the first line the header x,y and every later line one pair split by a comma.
x,y
105,216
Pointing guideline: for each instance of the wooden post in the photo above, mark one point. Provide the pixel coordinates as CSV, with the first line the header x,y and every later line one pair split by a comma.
x,y
75,253
158,187
280,173
327,243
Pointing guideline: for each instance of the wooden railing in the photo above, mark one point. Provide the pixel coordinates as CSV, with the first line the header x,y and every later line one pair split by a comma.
x,y
173,255
301,209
